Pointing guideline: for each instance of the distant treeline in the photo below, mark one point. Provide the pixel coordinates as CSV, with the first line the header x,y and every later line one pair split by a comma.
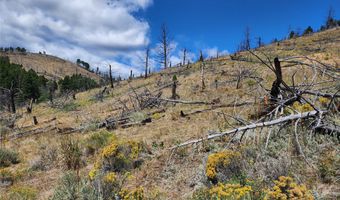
x,y
12,49
330,23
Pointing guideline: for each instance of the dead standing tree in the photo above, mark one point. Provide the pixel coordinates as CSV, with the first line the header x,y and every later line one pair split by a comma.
x,y
147,52
184,56
201,60
164,48
174,95
110,74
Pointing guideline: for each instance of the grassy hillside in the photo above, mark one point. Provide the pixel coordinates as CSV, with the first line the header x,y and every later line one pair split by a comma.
x,y
236,89
50,66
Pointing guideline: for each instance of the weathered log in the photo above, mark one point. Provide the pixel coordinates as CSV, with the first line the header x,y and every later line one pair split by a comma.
x,y
184,101
253,126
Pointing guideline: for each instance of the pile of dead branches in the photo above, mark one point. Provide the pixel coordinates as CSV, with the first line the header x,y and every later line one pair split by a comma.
x,y
282,96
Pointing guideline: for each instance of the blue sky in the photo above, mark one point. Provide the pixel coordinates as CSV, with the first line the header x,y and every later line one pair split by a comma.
x,y
201,24
116,32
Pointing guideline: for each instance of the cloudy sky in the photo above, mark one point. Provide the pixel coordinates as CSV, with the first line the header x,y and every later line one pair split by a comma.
x,y
117,32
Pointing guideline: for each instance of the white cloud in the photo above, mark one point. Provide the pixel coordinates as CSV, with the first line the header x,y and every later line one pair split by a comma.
x,y
97,31
212,52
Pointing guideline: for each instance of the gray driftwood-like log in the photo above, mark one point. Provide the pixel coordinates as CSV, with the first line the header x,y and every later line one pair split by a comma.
x,y
184,101
113,123
253,126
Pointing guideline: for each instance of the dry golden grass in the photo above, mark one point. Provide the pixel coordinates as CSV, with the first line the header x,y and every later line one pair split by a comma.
x,y
174,175
50,66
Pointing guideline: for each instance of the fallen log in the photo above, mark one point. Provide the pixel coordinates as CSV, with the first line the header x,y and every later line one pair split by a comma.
x,y
113,123
184,101
253,126
30,132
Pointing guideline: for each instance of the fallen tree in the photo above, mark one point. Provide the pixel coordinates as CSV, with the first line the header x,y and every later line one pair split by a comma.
x,y
257,125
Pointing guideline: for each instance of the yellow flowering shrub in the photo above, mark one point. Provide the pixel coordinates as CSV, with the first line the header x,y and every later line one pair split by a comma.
x,y
93,172
324,101
287,188
230,191
134,194
113,165
302,107
109,150
219,159
156,116
110,177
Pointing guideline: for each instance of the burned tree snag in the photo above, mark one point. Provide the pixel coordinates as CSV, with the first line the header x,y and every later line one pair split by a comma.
x,y
184,56
12,101
201,57
30,106
110,74
202,77
174,87
131,75
275,90
147,62
35,121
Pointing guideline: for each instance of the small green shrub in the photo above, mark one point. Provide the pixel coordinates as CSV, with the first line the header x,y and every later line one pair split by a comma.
x,y
8,157
22,193
48,155
201,194
71,153
72,187
70,107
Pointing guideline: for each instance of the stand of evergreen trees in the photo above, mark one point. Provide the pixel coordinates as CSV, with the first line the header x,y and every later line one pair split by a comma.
x,y
11,49
18,85
76,82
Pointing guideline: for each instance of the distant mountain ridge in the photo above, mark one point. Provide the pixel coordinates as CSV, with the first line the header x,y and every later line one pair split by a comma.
x,y
52,67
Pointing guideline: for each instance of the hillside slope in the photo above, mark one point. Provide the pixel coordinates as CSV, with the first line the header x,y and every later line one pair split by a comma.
x,y
51,67
236,89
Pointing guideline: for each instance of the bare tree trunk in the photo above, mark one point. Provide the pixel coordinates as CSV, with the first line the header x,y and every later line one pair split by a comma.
x,y
238,82
202,77
275,90
12,101
147,62
174,87
164,48
184,55
35,121
30,106
110,74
